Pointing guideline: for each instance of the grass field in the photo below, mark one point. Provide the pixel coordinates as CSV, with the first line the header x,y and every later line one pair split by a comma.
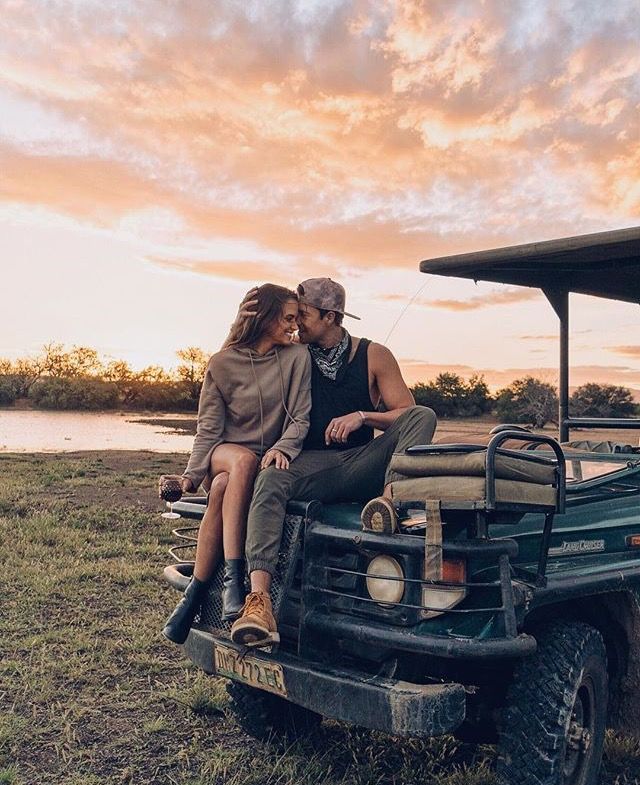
x,y
90,693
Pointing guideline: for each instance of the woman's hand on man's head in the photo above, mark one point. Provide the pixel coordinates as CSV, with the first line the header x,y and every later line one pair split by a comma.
x,y
279,459
246,310
248,305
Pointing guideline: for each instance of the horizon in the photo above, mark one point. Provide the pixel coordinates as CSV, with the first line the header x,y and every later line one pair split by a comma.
x,y
415,372
158,161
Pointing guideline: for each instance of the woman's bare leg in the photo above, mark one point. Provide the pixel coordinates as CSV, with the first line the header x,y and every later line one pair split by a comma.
x,y
209,550
241,465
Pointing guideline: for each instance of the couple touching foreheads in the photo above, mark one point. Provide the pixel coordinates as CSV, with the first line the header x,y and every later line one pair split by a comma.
x,y
280,420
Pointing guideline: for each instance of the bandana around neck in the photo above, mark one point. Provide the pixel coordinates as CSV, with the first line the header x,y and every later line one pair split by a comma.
x,y
330,361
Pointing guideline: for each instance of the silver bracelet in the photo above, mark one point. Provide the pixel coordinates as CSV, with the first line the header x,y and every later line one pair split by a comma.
x,y
364,419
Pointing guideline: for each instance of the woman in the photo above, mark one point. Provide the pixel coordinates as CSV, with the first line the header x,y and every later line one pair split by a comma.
x,y
253,412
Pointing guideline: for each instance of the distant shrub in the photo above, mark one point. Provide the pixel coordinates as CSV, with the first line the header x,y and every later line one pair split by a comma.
x,y
167,396
77,393
9,389
527,400
450,396
602,400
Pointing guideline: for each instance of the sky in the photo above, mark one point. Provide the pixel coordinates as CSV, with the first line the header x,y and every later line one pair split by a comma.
x,y
158,158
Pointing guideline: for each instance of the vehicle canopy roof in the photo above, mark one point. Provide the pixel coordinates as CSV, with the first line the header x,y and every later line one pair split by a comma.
x,y
606,264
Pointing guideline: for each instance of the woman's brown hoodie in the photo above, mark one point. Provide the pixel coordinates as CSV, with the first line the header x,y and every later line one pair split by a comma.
x,y
257,401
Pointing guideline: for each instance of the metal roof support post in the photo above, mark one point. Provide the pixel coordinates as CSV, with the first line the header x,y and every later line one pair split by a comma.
x,y
559,299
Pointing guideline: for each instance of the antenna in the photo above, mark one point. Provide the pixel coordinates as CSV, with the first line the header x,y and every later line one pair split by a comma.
x,y
402,312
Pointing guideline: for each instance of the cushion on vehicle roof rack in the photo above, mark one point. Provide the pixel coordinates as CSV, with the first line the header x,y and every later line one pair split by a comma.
x,y
457,473
466,489
508,466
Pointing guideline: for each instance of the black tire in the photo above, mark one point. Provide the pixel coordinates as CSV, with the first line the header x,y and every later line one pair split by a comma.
x,y
269,717
552,725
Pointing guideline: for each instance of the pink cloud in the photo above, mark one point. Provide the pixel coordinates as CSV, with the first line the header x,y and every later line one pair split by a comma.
x,y
506,296
366,135
626,351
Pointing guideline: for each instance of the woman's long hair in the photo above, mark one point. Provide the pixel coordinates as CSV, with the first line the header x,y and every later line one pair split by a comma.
x,y
271,300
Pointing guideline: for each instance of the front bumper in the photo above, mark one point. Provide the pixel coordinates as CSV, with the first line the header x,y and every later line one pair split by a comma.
x,y
395,707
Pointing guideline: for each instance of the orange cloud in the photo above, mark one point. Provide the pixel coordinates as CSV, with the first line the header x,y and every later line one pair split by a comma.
x,y
368,135
626,351
504,296
247,270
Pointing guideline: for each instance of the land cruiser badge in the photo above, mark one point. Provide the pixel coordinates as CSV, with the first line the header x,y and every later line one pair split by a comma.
x,y
577,546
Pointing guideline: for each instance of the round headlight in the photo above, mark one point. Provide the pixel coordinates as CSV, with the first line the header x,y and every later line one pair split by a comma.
x,y
382,587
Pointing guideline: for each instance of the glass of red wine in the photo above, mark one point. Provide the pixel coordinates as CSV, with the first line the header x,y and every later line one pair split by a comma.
x,y
170,490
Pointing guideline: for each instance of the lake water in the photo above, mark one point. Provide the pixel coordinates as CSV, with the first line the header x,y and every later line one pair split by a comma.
x,y
37,431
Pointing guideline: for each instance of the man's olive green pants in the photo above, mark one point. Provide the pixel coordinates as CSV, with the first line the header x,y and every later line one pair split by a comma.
x,y
358,474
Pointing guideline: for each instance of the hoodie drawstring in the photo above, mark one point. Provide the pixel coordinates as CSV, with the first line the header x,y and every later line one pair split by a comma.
x,y
291,417
255,376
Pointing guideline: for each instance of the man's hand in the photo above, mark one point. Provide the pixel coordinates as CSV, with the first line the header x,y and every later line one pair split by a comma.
x,y
274,456
339,428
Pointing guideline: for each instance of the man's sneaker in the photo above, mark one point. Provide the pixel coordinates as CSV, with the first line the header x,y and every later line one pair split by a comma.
x,y
256,626
380,516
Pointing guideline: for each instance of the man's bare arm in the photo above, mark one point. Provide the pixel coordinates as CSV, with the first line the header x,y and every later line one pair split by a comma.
x,y
394,393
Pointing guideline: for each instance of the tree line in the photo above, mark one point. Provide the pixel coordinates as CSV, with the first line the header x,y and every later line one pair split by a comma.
x,y
526,400
77,378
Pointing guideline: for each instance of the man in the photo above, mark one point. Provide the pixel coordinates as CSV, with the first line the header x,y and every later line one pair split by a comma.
x,y
356,386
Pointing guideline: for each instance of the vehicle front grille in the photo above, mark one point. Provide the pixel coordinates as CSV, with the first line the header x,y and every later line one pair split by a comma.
x,y
209,617
289,620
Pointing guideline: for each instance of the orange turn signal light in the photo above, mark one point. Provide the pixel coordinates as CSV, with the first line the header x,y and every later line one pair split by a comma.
x,y
454,570
633,541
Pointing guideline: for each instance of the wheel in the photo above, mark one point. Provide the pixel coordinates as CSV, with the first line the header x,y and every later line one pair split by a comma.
x,y
266,716
552,724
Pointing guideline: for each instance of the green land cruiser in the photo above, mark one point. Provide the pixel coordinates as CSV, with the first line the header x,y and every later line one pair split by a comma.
x,y
506,608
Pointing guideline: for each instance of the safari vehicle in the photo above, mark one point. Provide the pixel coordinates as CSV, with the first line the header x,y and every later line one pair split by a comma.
x,y
505,608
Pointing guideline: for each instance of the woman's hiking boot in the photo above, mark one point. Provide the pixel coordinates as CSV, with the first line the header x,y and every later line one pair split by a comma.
x,y
233,590
179,623
256,626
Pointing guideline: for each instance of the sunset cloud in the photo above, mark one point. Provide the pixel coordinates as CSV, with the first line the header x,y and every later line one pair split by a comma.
x,y
341,138
627,351
505,296
433,115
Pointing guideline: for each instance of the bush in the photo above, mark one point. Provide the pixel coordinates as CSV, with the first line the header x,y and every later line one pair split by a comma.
x,y
78,393
167,396
602,400
450,396
9,389
527,400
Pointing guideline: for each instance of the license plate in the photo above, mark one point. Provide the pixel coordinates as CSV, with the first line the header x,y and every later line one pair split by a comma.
x,y
250,670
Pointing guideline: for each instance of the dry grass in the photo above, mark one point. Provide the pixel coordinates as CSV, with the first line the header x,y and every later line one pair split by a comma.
x,y
90,694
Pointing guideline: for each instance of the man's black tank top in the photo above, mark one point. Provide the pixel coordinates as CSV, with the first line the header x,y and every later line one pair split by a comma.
x,y
348,393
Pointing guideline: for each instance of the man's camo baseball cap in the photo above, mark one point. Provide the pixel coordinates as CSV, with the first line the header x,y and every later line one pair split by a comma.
x,y
325,294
